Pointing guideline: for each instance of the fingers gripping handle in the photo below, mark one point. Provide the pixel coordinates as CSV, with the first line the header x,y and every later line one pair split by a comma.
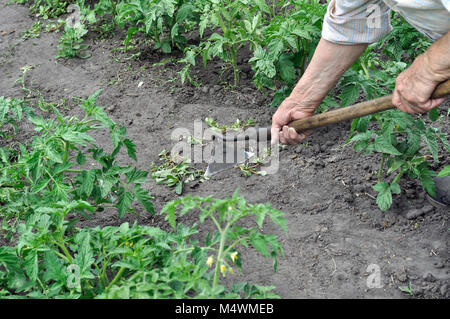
x,y
357,110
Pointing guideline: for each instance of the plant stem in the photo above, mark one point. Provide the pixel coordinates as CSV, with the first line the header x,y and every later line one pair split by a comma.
x,y
237,241
219,255
116,278
66,151
61,255
61,245
223,235
103,276
365,69
397,178
235,68
380,170
42,286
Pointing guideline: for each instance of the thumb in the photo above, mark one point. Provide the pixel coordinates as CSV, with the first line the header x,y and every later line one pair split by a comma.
x,y
279,119
275,134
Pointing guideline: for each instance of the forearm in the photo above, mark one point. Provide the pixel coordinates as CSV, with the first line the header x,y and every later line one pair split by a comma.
x,y
437,59
329,63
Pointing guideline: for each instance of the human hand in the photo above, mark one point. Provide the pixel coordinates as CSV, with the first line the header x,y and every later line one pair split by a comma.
x,y
290,110
414,86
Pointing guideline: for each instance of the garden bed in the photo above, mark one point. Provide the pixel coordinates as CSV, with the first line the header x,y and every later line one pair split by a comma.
x,y
335,228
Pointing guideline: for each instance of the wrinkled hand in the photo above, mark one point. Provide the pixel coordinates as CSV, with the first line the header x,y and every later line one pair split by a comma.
x,y
290,110
414,86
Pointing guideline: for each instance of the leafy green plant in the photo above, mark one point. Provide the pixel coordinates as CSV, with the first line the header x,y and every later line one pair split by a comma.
x,y
174,174
54,259
239,23
445,171
165,22
46,184
53,168
46,8
70,44
407,289
33,32
103,7
404,42
290,39
405,145
223,243
11,114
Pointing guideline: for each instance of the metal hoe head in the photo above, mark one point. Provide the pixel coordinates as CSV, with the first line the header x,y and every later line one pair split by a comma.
x,y
226,155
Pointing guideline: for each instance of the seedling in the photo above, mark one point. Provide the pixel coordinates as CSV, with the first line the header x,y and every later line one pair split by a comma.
x,y
33,32
21,79
407,289
70,45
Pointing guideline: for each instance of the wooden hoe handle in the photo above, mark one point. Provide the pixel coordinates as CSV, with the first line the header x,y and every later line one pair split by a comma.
x,y
357,110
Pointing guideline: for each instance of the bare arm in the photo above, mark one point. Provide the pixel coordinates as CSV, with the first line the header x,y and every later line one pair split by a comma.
x,y
329,62
412,92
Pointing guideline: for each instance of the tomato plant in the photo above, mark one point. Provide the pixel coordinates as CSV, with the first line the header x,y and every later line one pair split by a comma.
x,y
239,23
405,145
290,38
54,167
54,259
225,215
165,22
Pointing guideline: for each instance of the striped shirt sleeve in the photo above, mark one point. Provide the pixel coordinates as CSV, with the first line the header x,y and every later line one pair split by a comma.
x,y
356,21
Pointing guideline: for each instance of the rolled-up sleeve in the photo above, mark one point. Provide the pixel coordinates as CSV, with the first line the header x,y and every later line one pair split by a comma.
x,y
354,22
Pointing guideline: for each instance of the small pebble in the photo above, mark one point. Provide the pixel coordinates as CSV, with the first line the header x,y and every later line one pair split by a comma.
x,y
340,277
427,209
414,213
429,277
205,89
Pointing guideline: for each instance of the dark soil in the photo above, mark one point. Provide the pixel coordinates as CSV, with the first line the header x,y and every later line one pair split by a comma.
x,y
325,188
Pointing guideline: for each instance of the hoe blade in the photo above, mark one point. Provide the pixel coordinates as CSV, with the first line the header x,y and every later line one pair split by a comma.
x,y
226,156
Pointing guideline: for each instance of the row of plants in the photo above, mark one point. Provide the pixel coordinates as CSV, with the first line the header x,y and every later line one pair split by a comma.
x,y
281,36
280,45
61,177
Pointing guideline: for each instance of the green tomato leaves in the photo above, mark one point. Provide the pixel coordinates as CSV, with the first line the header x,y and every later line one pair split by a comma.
x,y
404,143
385,191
